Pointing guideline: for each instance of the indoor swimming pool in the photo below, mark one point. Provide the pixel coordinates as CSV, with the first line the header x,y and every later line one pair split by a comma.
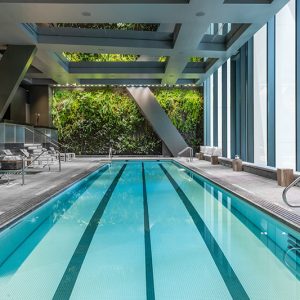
x,y
148,230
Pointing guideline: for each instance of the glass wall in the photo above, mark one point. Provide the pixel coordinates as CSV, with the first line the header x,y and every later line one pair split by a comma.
x,y
260,96
285,87
220,107
228,107
211,109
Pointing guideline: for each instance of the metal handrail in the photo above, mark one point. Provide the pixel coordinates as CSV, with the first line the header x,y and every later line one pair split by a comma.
x,y
286,254
191,152
284,193
110,153
50,140
55,143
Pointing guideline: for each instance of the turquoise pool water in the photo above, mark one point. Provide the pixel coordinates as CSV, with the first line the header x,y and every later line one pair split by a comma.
x,y
148,230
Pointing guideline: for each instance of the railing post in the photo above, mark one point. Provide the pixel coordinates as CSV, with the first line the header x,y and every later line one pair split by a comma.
x,y
59,162
23,171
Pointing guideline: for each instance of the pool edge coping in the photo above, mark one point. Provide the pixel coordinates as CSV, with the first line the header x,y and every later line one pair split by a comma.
x,y
12,216
259,203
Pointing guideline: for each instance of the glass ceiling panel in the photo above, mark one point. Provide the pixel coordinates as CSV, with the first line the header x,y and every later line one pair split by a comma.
x,y
113,26
104,57
221,29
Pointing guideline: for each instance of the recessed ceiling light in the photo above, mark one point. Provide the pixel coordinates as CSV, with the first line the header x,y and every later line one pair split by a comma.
x,y
86,13
200,14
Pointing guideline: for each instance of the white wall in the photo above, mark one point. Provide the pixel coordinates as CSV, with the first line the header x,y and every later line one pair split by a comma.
x,y
228,108
285,86
220,107
260,96
211,109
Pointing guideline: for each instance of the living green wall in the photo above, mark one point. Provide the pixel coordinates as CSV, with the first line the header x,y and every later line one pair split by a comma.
x,y
89,122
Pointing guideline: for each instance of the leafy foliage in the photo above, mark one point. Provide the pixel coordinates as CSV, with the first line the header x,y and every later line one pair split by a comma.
x,y
196,59
89,122
185,109
98,57
112,26
101,57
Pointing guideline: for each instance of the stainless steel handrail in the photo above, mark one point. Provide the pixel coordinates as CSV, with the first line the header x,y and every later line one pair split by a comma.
x,y
110,153
286,254
284,193
56,144
51,141
191,152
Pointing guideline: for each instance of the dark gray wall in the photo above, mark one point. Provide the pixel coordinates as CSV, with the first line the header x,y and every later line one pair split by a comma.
x,y
18,106
39,104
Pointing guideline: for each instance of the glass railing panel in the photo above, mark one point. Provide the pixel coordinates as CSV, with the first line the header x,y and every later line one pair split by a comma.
x,y
20,134
29,135
10,133
2,133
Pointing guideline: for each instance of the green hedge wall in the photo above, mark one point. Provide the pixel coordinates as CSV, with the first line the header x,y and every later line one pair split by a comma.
x,y
89,122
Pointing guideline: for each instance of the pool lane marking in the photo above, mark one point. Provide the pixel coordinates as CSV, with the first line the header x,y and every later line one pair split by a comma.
x,y
44,220
147,238
231,280
67,283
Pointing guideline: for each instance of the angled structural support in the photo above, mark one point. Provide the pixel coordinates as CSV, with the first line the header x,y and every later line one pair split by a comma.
x,y
13,67
158,119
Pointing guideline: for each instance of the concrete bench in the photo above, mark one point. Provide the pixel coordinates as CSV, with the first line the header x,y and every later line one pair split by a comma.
x,y
210,154
226,162
267,172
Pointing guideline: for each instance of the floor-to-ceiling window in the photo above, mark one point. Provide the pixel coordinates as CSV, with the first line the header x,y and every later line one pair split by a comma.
x,y
211,109
220,107
285,86
228,108
260,96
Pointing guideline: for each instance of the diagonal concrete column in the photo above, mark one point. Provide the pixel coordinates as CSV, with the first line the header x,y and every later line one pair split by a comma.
x,y
13,67
159,120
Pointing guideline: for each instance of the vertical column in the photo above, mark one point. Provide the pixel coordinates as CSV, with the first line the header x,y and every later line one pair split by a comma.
x,y
204,113
250,103
297,86
271,116
242,102
215,109
232,107
207,112
238,105
224,110
228,108
260,96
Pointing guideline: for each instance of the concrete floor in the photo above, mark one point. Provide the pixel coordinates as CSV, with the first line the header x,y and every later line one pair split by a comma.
x,y
256,189
16,199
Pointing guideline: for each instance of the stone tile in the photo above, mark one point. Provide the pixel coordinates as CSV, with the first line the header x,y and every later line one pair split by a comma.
x,y
260,191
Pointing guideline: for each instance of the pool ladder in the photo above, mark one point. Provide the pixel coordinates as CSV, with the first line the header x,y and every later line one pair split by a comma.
x,y
191,152
284,193
293,247
110,153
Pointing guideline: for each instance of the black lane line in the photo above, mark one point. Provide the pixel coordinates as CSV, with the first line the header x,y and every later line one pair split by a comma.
x,y
66,285
147,239
64,206
231,280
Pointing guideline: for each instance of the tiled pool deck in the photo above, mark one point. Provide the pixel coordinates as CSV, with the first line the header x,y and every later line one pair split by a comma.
x,y
16,199
261,191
